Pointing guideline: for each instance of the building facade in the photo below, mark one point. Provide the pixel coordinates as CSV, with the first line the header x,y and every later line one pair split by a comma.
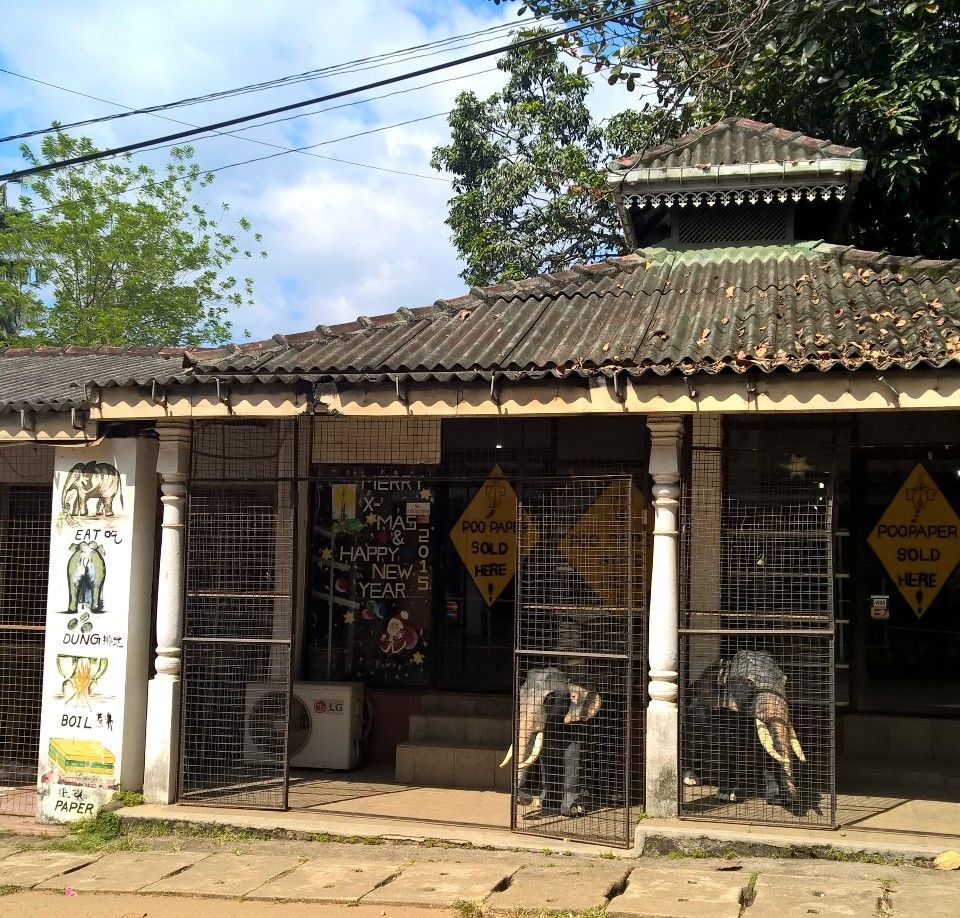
x,y
677,529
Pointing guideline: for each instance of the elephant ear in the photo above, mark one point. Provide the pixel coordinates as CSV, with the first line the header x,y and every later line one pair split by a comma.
x,y
584,704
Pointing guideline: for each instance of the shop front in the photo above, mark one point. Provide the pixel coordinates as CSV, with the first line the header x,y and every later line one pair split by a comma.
x,y
386,559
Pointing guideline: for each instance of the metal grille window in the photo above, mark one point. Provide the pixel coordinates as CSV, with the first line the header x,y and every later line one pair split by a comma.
x,y
239,615
757,689
25,502
579,659
737,223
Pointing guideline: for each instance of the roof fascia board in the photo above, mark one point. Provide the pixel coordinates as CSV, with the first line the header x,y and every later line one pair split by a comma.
x,y
737,175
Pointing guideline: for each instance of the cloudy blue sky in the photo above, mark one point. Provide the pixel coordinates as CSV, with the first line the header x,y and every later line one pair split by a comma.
x,y
343,240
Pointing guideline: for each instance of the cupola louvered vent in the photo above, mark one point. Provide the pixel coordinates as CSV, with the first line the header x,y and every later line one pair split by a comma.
x,y
723,225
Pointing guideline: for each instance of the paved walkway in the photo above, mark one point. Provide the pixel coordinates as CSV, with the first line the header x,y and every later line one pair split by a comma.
x,y
288,878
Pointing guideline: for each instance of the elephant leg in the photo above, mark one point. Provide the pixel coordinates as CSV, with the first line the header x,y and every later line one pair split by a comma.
x,y
74,586
571,805
771,787
96,592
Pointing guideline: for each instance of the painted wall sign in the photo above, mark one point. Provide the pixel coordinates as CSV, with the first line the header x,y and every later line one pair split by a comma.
x,y
96,631
485,536
918,540
371,589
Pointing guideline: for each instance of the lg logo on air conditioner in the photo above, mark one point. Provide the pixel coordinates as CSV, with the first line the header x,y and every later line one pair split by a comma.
x,y
327,707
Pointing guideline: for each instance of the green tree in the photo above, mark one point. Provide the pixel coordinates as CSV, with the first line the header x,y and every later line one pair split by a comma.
x,y
115,253
528,171
880,74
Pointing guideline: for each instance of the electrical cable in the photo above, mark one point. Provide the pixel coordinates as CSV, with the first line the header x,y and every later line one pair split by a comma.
x,y
289,80
244,119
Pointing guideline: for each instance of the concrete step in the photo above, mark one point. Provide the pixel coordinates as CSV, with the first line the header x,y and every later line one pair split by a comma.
x,y
439,764
470,705
495,732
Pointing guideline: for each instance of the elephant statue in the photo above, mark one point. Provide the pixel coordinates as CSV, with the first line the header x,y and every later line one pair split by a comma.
x,y
86,572
553,709
747,685
87,481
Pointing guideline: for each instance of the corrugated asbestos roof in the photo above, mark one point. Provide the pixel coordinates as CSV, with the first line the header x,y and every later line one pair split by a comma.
x,y
661,311
737,141
51,378
807,305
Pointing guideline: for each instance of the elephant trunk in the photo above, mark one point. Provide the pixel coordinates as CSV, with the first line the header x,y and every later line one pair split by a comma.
x,y
777,736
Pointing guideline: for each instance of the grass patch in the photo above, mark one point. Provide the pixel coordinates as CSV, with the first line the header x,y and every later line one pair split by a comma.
x,y
128,797
749,892
466,909
607,856
8,889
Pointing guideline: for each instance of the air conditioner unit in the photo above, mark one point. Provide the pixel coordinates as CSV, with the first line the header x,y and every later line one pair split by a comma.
x,y
324,727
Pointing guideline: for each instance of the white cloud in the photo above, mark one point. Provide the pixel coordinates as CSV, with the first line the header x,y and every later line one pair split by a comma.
x,y
343,240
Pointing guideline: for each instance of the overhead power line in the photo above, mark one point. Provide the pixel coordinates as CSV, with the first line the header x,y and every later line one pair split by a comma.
x,y
360,64
245,119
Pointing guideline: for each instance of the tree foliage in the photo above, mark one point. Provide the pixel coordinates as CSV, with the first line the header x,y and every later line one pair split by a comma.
x,y
115,253
528,171
879,74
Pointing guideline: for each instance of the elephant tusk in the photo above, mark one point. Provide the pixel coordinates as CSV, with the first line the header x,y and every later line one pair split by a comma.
x,y
766,740
535,754
795,745
507,757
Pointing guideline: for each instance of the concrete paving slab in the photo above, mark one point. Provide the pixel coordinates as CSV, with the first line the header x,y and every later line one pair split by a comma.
x,y
559,888
791,897
438,884
226,875
125,871
27,868
674,894
323,881
912,900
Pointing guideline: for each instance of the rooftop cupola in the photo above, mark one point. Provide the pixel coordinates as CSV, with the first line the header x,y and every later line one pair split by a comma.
x,y
736,182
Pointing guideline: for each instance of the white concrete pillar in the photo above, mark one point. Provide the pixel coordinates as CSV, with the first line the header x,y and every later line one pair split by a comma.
x,y
163,701
662,712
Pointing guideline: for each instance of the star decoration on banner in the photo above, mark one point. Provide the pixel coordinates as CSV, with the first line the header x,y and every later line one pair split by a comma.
x,y
426,493
371,518
349,617
418,658
326,554
797,466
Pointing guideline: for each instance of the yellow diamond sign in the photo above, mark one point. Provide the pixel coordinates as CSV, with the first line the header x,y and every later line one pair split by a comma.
x,y
590,545
917,540
485,536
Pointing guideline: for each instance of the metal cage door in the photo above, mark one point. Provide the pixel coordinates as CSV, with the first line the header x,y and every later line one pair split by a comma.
x,y
238,618
578,703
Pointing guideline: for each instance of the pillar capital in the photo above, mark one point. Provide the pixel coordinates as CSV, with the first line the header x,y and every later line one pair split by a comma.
x,y
174,455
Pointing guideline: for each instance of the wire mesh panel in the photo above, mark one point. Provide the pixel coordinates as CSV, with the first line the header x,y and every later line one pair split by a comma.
x,y
238,614
757,679
577,763
26,475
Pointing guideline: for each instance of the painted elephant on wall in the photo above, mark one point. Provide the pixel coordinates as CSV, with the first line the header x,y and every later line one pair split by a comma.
x,y
730,700
88,481
553,712
86,573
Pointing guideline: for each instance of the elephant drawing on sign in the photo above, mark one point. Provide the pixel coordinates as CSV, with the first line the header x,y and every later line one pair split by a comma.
x,y
88,481
86,572
553,712
748,687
